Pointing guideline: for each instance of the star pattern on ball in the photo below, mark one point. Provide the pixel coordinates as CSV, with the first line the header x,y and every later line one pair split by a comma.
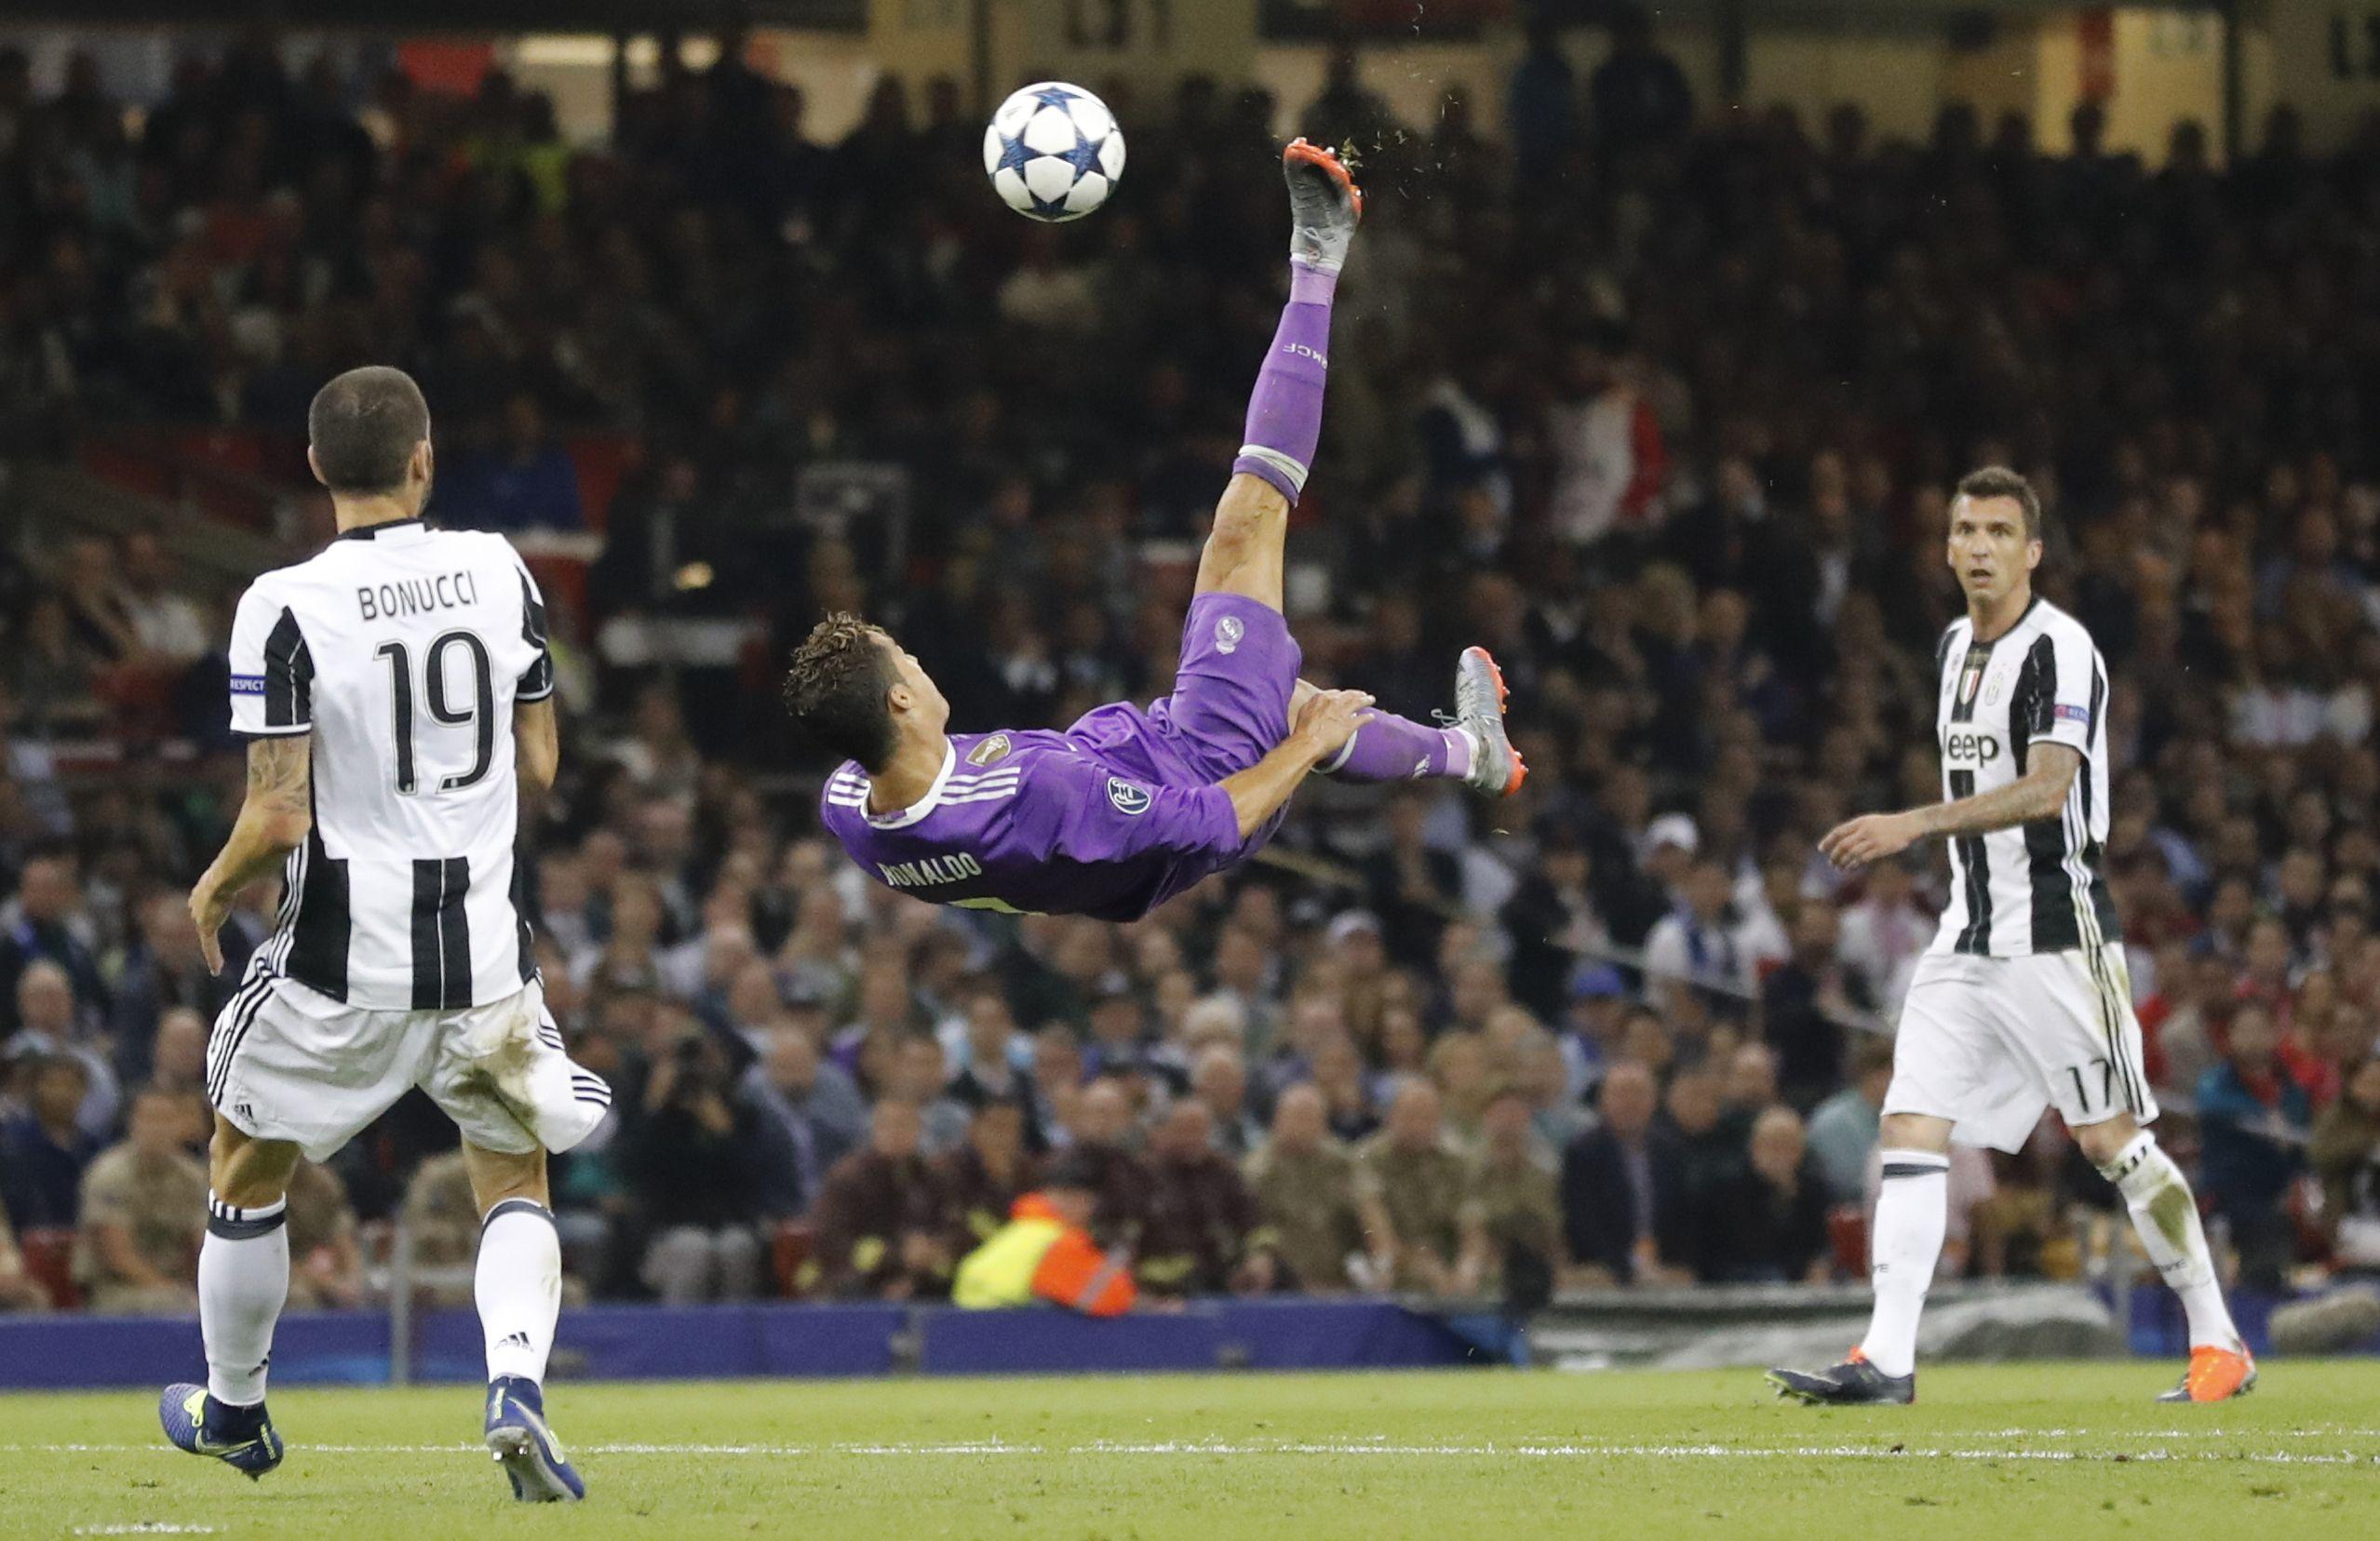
x,y
1085,157
1054,96
1014,153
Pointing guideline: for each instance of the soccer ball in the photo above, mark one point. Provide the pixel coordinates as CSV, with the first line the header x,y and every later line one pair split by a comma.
x,y
1053,151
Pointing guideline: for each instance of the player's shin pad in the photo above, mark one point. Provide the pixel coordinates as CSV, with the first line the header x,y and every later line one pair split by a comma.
x,y
1285,412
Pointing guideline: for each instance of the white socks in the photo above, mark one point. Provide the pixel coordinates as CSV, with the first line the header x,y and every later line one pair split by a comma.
x,y
2166,1215
519,1287
243,1282
1912,1212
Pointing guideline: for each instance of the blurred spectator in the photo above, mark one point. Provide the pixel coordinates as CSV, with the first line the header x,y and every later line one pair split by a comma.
x,y
1622,1189
1807,1004
2254,1121
2345,1155
692,1157
1842,1132
879,1219
1220,1081
1776,1211
143,1214
1543,101
1639,94
524,482
1883,936
44,921
1516,1197
1201,1215
46,1026
443,1218
43,1149
1698,944
325,1264
822,1113
1411,1171
1318,1215
981,1181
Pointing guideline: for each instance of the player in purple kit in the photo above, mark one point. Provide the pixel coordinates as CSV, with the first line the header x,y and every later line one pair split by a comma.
x,y
1129,807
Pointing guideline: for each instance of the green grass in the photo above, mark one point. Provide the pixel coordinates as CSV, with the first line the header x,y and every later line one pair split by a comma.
x,y
1448,1456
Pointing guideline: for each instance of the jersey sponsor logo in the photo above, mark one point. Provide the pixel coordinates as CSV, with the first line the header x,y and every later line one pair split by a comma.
x,y
247,684
1128,796
991,751
416,596
1228,632
1965,748
931,870
2064,712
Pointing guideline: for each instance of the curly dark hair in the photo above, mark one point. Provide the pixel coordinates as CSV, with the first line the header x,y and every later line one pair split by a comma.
x,y
836,687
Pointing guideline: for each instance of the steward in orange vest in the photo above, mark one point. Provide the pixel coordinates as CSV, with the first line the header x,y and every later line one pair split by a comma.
x,y
1045,1252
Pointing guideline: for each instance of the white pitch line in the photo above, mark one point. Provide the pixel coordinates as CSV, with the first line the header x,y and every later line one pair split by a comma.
x,y
1527,1449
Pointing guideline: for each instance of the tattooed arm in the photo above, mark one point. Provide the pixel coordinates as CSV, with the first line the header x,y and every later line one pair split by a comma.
x,y
274,817
2038,793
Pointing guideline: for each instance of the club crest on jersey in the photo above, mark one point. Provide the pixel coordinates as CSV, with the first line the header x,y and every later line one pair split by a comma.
x,y
1228,632
1127,797
1969,680
989,751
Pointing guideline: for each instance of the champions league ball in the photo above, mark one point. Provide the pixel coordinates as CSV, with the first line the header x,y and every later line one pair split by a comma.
x,y
1053,151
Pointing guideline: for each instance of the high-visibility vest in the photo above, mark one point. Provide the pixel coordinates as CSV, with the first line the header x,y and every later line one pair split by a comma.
x,y
1039,1256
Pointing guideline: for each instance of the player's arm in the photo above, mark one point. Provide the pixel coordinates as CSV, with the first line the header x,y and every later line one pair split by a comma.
x,y
537,737
2038,793
275,818
1328,719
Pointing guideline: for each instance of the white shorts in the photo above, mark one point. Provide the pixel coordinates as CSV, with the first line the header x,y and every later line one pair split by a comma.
x,y
1988,1043
288,1063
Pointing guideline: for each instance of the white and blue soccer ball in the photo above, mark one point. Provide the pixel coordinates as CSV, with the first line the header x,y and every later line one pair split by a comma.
x,y
1054,152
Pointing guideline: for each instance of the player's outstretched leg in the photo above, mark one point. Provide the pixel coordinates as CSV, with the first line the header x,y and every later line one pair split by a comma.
x,y
243,1283
518,1286
1470,748
2165,1213
1243,552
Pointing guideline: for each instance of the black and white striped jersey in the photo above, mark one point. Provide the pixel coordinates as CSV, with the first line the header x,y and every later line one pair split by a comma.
x,y
402,649
2037,888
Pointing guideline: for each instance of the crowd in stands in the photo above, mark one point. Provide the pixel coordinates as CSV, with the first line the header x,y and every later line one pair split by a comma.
x,y
1664,417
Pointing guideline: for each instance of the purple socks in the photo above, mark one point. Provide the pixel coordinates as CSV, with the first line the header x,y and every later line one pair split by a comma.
x,y
1286,414
1393,748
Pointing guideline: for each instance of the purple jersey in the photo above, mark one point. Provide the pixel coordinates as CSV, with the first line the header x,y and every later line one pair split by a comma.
x,y
1112,817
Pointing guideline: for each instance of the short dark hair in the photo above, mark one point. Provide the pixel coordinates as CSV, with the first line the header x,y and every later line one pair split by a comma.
x,y
364,426
1999,481
836,690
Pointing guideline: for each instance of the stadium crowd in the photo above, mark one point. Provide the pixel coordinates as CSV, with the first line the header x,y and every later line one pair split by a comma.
x,y
1666,418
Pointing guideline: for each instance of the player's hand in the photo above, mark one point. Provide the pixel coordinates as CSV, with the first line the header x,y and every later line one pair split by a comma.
x,y
1330,718
1869,837
210,907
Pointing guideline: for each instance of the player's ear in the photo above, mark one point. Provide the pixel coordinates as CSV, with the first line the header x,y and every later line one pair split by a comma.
x,y
422,464
2032,553
316,466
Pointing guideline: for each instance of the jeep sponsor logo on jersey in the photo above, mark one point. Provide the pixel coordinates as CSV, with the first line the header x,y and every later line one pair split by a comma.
x,y
1971,748
991,751
1128,796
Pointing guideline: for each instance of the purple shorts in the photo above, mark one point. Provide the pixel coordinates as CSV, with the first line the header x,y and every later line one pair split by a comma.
x,y
1230,702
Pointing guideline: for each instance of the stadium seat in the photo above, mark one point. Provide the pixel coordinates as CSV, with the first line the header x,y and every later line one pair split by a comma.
x,y
49,1262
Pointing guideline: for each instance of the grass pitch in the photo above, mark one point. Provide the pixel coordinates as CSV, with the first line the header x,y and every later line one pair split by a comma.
x,y
2006,1452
